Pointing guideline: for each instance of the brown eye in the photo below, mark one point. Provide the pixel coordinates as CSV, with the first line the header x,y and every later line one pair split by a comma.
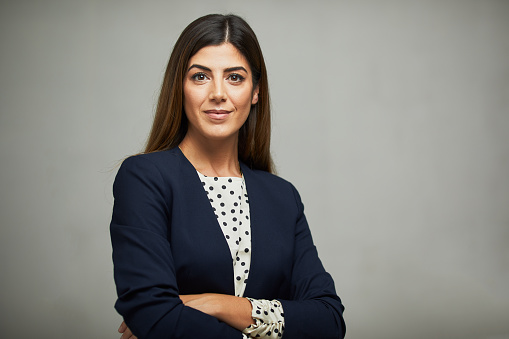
x,y
199,77
236,77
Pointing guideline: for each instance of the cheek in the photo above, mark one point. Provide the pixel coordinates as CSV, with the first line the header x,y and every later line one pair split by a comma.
x,y
242,99
192,98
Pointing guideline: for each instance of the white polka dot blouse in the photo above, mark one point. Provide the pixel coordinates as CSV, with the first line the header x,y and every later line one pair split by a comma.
x,y
230,203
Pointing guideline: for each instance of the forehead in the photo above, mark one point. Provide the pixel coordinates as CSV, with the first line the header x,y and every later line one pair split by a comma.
x,y
219,57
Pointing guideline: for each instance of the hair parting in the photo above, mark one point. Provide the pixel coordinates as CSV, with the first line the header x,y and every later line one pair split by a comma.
x,y
170,122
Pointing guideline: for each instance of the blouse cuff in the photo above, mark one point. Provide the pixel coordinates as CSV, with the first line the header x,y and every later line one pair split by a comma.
x,y
269,319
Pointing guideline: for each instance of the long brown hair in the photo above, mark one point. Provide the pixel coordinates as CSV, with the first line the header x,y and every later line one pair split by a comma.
x,y
170,122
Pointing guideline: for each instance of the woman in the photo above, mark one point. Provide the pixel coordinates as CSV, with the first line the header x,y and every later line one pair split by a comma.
x,y
202,195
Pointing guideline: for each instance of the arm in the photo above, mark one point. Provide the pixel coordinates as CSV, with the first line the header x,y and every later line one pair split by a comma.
x,y
234,311
315,310
148,296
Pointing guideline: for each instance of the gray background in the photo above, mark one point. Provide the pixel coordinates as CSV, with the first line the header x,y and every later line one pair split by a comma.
x,y
391,118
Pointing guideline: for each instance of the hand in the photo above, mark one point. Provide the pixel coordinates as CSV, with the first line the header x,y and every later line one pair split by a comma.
x,y
209,303
234,311
126,332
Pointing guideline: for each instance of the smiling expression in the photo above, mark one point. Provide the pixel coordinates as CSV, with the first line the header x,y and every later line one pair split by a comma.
x,y
218,93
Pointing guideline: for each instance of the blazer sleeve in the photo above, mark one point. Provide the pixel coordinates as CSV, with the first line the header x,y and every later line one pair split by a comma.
x,y
315,310
148,296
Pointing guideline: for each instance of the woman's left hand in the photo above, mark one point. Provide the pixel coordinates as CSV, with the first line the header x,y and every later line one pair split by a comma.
x,y
126,332
234,311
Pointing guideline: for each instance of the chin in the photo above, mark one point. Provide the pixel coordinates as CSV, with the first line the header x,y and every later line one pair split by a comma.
x,y
221,137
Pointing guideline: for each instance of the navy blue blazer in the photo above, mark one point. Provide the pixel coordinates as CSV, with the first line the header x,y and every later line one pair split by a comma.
x,y
166,241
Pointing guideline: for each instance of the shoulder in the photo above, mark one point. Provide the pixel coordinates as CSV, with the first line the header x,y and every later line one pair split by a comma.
x,y
274,187
161,159
270,179
156,168
166,164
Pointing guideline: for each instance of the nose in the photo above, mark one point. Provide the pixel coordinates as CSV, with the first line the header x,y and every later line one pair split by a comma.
x,y
217,91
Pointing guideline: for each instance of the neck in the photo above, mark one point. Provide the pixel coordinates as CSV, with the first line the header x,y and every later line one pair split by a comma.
x,y
212,158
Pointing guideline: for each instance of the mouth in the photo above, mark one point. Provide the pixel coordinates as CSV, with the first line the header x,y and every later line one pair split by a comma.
x,y
217,114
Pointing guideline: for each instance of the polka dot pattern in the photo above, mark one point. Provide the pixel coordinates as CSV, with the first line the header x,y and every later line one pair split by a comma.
x,y
224,194
269,319
230,203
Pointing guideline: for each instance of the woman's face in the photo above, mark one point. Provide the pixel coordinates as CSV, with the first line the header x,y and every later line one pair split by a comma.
x,y
218,93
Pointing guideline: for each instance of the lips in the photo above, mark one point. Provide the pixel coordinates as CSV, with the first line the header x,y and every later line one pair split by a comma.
x,y
217,114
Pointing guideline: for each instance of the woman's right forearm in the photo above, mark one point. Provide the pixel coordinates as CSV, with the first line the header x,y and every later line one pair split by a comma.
x,y
232,310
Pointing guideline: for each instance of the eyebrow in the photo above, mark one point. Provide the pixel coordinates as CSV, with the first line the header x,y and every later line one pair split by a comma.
x,y
230,69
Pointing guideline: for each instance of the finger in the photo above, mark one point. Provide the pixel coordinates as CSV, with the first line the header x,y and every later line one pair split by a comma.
x,y
186,298
122,327
127,334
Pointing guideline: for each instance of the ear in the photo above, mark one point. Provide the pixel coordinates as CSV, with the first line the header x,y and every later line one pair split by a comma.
x,y
254,100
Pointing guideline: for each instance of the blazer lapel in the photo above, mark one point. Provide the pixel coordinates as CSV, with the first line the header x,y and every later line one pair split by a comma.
x,y
259,225
202,225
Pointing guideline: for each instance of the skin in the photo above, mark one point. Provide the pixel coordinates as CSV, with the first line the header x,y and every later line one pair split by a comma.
x,y
211,142
218,94
232,310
